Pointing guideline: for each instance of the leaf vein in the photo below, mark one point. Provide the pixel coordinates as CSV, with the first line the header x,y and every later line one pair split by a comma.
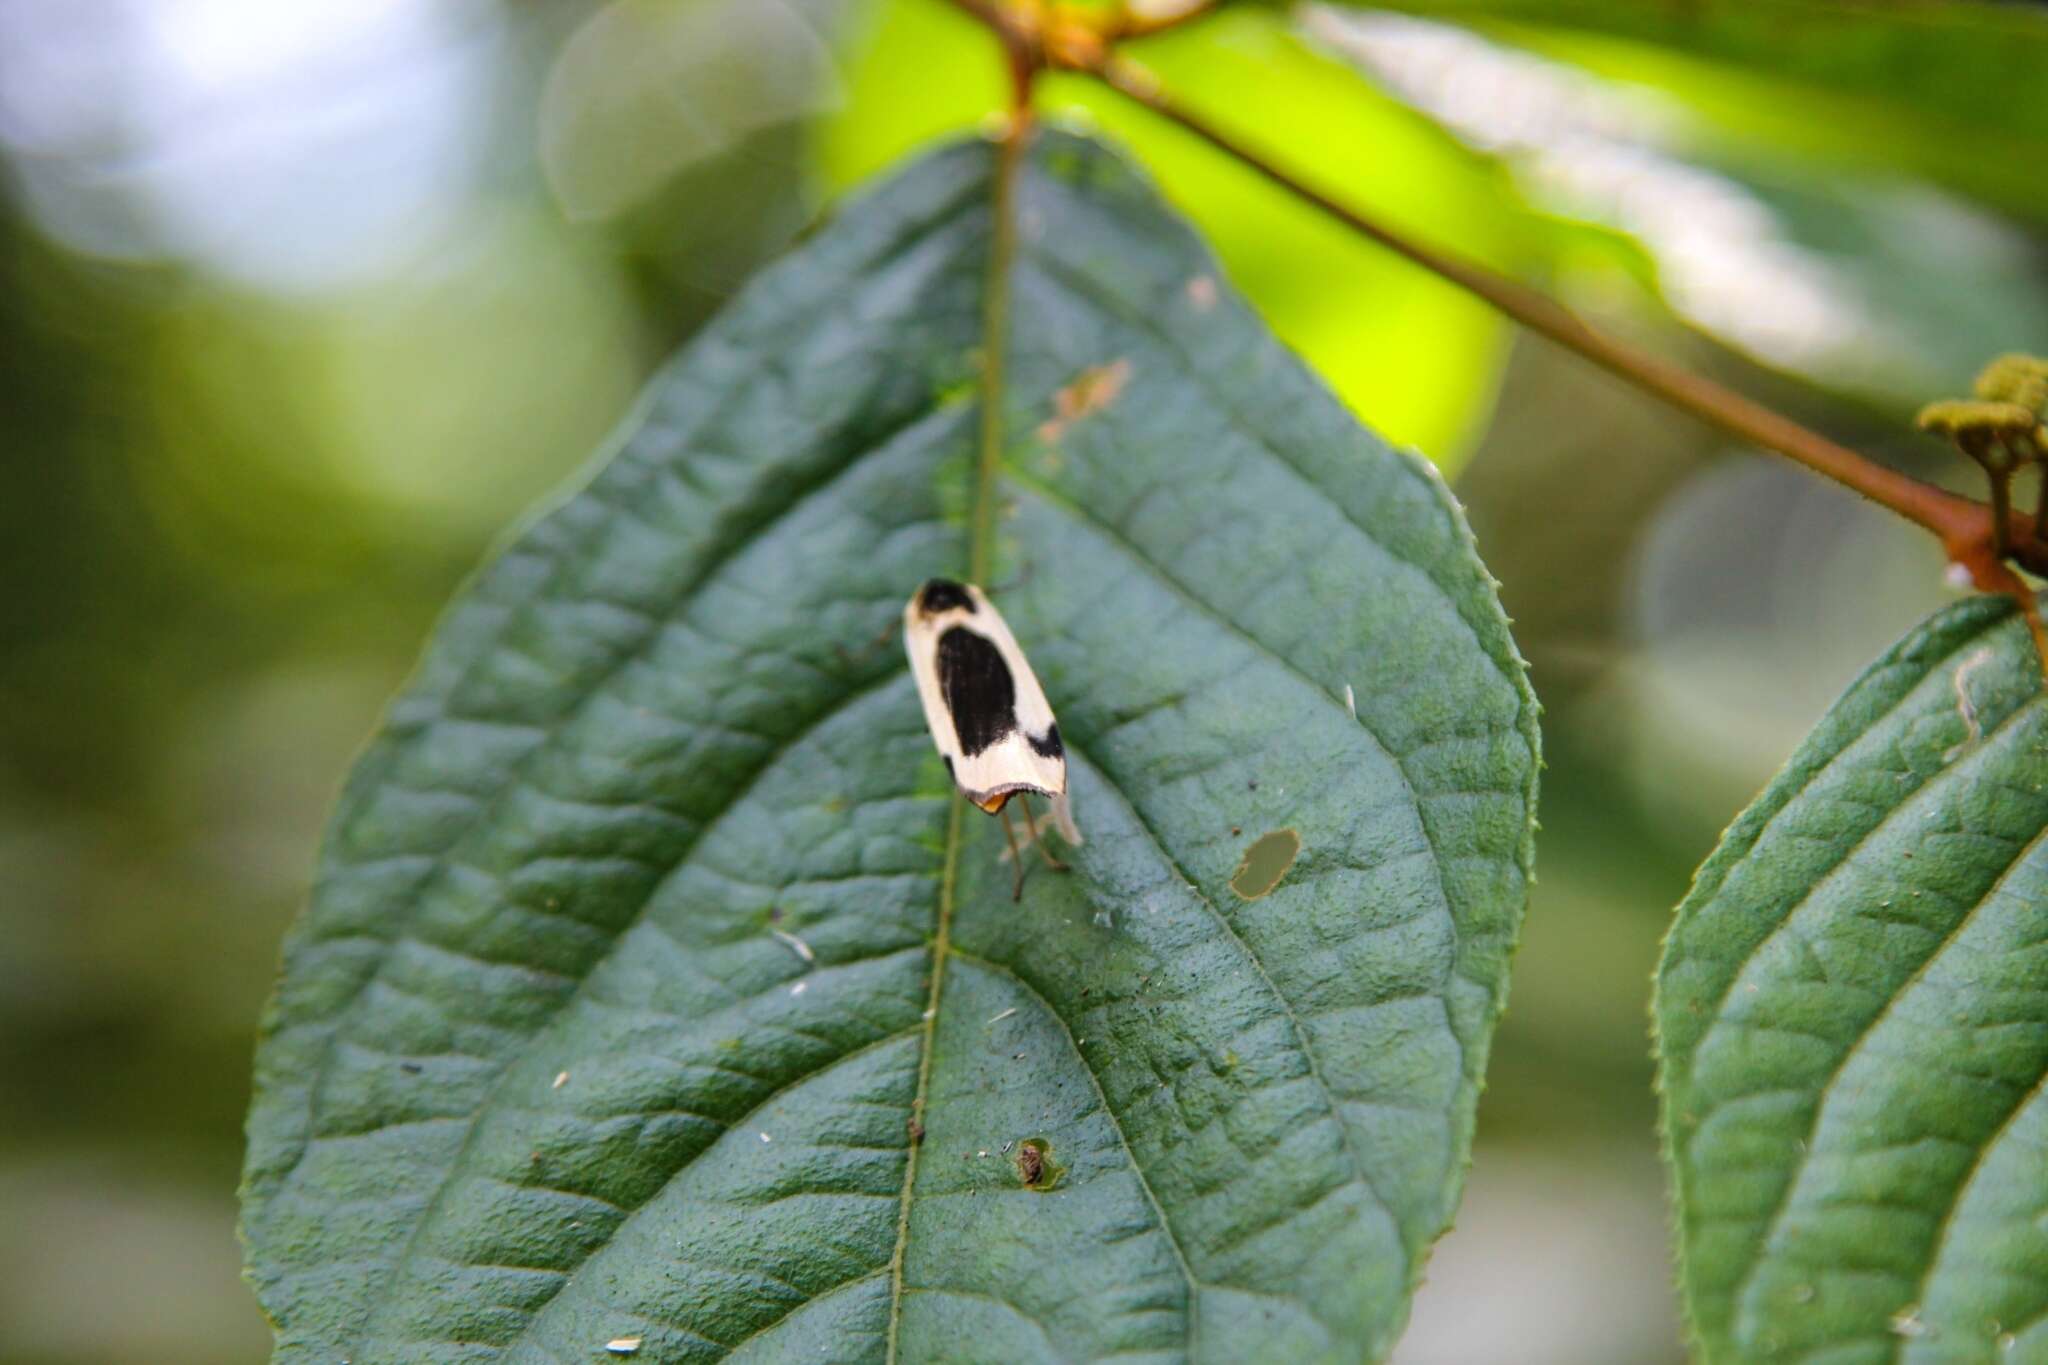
x,y
1773,1225
1180,1256
1315,1071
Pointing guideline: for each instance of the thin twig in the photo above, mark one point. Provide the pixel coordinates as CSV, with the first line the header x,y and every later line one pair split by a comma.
x,y
1019,35
1975,537
1960,523
1964,527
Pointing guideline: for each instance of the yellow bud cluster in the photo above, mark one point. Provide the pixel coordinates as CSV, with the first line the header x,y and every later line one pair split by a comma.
x,y
2018,379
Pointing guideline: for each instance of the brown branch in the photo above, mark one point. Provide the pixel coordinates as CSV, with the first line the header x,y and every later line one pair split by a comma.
x,y
1975,537
1963,526
1020,36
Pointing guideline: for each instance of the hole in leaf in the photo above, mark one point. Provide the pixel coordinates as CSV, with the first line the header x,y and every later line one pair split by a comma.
x,y
1265,863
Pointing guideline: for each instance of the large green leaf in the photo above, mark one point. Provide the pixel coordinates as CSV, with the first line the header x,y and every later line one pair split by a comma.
x,y
1946,88
1853,1018
649,923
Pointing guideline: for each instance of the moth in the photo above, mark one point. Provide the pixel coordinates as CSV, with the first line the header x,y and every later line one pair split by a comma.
x,y
984,707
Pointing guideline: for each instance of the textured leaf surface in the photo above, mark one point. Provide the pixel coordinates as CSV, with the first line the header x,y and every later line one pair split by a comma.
x,y
547,1066
1853,1017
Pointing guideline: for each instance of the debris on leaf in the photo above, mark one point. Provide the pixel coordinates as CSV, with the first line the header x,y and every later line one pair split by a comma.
x,y
795,944
1035,1167
1966,708
1094,389
623,1346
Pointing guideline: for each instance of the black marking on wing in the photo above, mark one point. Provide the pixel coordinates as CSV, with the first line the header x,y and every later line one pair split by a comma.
x,y
1047,745
978,689
942,594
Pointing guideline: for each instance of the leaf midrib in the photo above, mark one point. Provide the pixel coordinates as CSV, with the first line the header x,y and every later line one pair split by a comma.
x,y
981,534
989,468
1947,1227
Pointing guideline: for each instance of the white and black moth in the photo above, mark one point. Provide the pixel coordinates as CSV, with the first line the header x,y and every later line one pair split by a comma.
x,y
986,711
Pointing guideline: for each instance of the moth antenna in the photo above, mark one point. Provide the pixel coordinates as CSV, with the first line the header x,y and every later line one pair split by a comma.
x,y
1063,820
1016,858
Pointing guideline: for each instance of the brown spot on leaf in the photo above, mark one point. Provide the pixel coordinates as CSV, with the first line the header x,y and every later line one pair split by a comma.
x,y
1094,389
1202,293
1265,863
1035,1167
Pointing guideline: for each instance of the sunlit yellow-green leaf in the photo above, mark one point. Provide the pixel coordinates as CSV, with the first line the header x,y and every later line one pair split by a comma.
x,y
1416,355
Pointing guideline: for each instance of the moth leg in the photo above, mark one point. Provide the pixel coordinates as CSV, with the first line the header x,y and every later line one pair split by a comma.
x,y
1016,858
1031,827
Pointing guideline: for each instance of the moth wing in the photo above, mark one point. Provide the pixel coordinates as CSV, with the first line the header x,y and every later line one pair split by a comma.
x,y
1033,756
1027,755
921,643
1034,712
1009,766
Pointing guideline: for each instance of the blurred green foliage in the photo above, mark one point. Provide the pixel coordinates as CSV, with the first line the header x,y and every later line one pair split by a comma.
x,y
1948,90
244,469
